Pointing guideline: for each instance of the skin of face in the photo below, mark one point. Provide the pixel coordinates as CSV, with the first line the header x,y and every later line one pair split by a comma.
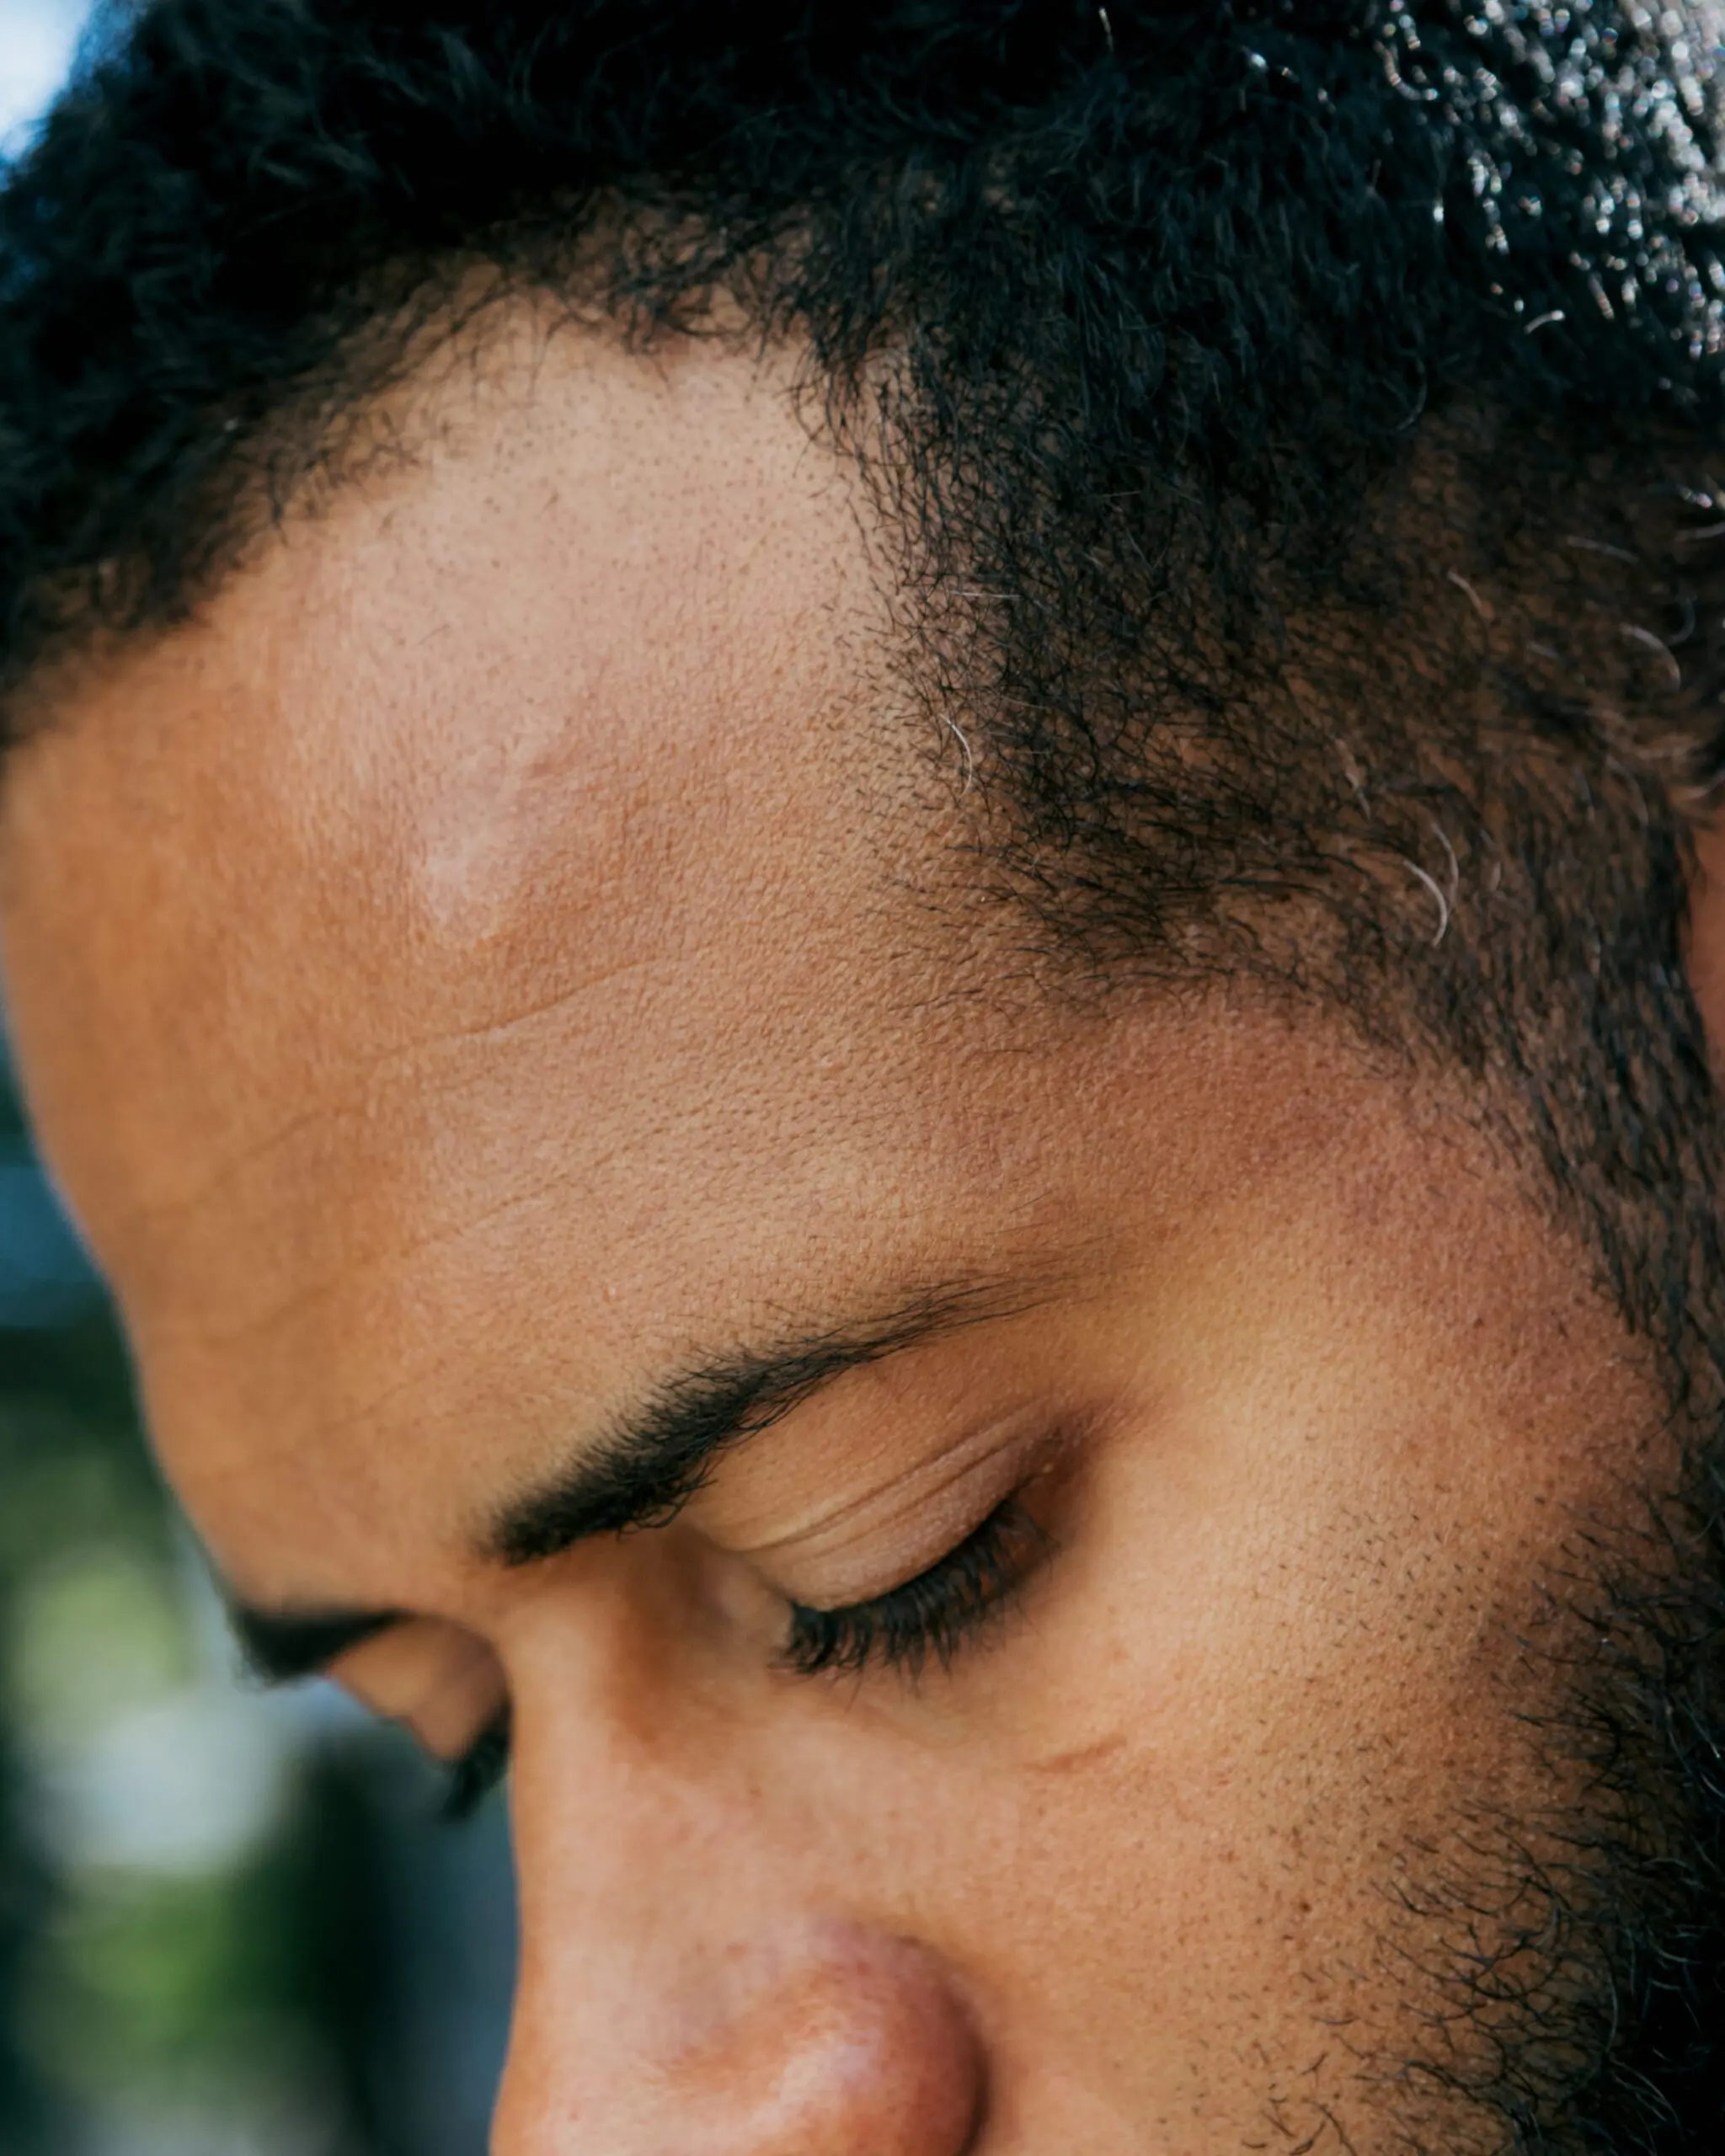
x,y
504,952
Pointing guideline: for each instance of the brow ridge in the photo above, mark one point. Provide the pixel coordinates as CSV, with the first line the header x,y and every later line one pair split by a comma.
x,y
652,1463
645,1470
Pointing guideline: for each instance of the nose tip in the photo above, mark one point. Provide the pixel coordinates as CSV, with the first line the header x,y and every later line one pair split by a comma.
x,y
843,2045
860,2048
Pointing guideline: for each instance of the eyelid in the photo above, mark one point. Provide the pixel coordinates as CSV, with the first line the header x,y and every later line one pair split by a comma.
x,y
432,1677
873,1543
945,1607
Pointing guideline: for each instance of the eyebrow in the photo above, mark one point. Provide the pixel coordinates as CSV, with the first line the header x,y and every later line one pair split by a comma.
x,y
644,1471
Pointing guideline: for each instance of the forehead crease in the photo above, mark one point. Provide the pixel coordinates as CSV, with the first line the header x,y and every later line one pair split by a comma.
x,y
389,1084
469,1326
586,1098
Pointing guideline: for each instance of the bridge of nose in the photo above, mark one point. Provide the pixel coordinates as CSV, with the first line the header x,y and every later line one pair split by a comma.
x,y
718,1952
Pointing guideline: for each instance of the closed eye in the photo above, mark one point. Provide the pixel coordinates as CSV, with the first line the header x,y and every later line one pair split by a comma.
x,y
933,1616
948,1607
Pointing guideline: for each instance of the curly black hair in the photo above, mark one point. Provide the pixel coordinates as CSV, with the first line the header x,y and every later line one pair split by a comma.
x,y
1298,422
1222,255
1298,416
1170,298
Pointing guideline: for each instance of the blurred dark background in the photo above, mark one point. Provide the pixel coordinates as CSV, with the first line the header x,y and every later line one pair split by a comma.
x,y
229,1925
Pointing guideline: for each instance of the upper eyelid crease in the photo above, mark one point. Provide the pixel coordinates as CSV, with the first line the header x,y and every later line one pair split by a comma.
x,y
1009,1446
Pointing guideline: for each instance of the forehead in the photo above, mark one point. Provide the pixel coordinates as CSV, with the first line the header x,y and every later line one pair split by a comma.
x,y
467,910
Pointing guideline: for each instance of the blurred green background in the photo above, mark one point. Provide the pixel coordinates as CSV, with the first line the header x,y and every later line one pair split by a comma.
x,y
229,1925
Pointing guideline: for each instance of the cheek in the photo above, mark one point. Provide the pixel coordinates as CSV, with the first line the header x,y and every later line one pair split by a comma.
x,y
1157,1828
1278,1679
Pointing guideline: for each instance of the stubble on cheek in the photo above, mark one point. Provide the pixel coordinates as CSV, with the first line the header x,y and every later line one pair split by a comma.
x,y
1517,1848
1356,1860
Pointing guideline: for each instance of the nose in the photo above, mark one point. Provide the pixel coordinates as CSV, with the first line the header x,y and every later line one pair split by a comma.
x,y
721,1941
809,2039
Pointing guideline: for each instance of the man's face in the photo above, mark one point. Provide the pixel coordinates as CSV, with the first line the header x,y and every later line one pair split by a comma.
x,y
497,988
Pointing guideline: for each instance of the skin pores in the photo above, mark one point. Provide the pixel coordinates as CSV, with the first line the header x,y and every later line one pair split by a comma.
x,y
501,955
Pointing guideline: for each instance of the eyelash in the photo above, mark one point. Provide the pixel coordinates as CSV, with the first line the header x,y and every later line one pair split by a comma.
x,y
930,1618
470,1779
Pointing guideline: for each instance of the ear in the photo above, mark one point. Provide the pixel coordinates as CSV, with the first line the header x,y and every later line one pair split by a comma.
x,y
1707,937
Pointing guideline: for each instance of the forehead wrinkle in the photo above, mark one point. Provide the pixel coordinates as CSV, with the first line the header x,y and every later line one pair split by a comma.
x,y
360,1110
549,1179
473,1183
312,1294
